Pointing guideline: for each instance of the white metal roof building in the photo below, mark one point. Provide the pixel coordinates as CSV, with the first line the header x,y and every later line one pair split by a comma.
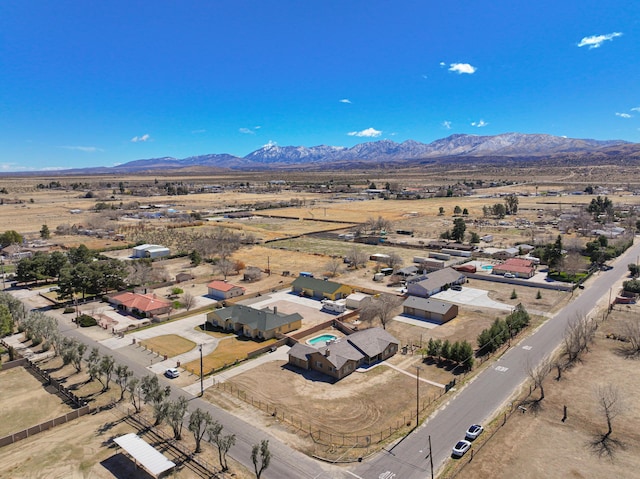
x,y
144,454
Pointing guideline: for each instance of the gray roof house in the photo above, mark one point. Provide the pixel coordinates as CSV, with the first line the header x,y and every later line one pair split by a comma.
x,y
434,282
429,308
341,357
255,323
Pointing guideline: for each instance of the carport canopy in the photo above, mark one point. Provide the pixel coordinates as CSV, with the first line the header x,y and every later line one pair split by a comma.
x,y
144,454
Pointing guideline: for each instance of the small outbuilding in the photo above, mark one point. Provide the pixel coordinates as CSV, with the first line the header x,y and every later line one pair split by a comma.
x,y
429,308
150,251
223,290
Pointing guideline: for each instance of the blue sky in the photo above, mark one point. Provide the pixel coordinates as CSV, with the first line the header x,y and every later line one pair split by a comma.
x,y
103,83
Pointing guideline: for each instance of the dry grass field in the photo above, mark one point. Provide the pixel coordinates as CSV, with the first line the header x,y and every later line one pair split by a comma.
x,y
28,403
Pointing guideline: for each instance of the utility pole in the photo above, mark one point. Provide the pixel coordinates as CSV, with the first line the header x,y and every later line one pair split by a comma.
x,y
418,369
430,456
201,375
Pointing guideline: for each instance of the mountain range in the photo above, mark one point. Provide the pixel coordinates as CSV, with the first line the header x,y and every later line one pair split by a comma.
x,y
457,147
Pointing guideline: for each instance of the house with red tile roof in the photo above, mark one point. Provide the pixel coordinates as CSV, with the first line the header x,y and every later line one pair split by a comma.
x,y
145,305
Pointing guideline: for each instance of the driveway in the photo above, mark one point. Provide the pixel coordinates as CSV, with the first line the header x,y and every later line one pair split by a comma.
x,y
472,297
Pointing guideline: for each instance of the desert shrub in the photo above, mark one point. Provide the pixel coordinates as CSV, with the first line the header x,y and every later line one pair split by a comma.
x,y
85,321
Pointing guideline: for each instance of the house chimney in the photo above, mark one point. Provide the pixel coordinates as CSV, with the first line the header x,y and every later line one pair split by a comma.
x,y
326,352
275,310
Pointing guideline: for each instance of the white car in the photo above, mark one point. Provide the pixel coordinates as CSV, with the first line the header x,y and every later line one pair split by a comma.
x,y
474,431
509,275
172,373
461,448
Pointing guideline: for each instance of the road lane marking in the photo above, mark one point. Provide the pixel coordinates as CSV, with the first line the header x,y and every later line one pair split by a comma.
x,y
528,348
501,369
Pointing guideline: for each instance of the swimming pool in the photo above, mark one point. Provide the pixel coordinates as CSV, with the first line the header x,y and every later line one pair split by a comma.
x,y
324,338
487,267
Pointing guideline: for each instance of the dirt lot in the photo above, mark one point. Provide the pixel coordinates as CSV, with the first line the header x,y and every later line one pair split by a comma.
x,y
28,404
540,444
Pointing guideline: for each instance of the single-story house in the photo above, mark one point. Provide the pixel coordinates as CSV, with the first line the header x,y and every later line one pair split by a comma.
x,y
150,251
254,323
429,308
146,305
519,267
16,252
223,290
341,357
408,271
434,282
182,277
357,300
319,288
503,254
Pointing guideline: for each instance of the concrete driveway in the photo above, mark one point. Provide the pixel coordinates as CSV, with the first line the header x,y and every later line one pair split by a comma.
x,y
472,297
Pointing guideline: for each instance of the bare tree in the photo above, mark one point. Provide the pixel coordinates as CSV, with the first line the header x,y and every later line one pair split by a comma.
x,y
358,257
631,331
333,266
610,404
383,308
226,267
577,336
394,261
538,373
188,300
261,457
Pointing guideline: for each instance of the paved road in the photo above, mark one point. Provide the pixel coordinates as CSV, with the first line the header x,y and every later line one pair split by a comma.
x,y
487,392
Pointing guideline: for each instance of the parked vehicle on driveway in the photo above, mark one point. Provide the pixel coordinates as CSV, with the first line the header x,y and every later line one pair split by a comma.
x,y
172,373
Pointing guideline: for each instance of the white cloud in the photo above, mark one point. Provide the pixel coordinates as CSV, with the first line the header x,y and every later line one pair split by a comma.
x,y
369,133
594,41
479,124
143,138
443,64
636,108
246,131
345,100
462,68
86,149
623,115
446,124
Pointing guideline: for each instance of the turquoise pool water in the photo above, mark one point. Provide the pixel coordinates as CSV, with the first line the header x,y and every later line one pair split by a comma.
x,y
487,267
321,339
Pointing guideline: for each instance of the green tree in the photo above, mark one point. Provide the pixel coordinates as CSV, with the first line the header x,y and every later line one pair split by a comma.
x,y
459,227
261,457
175,416
457,210
465,212
511,204
441,212
10,237
222,443
475,237
6,321
199,422
634,270
44,232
